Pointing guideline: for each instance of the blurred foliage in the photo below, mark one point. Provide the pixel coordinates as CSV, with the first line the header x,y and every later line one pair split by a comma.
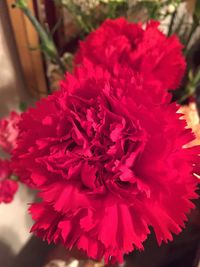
x,y
89,14
155,9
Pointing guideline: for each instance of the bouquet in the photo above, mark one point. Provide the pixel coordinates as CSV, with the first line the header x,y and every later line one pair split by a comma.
x,y
108,152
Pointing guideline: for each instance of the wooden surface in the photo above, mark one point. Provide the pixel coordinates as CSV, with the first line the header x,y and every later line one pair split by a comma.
x,y
27,42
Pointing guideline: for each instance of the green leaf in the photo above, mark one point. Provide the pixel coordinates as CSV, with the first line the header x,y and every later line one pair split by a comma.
x,y
14,177
22,106
21,4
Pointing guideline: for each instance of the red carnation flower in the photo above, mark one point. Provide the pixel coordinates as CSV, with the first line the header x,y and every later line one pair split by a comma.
x,y
147,51
9,132
109,161
7,187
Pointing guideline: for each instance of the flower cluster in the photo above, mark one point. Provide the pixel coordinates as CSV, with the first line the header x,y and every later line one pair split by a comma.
x,y
87,6
9,132
8,137
8,187
107,151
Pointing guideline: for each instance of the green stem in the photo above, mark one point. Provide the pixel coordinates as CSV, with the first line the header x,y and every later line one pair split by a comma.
x,y
190,92
47,44
179,25
191,87
78,16
192,30
82,23
172,22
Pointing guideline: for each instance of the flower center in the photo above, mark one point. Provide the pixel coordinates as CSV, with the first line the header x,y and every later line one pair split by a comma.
x,y
105,143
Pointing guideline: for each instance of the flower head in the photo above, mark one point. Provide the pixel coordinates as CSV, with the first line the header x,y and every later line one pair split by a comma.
x,y
147,51
190,114
7,187
109,161
9,132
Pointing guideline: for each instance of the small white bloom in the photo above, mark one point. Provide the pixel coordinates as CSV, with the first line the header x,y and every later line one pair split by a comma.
x,y
107,1
86,5
171,8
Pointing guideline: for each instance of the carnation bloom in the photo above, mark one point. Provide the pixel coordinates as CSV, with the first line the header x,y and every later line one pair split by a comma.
x,y
190,114
109,161
7,187
148,51
9,132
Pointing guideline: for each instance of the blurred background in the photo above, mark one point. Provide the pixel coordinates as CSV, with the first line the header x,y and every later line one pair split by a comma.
x,y
38,39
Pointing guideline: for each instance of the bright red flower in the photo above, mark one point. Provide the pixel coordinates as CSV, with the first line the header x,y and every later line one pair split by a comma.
x,y
109,161
148,51
9,132
7,187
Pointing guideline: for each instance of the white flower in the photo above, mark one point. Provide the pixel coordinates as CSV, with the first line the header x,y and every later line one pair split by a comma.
x,y
171,8
107,1
87,5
